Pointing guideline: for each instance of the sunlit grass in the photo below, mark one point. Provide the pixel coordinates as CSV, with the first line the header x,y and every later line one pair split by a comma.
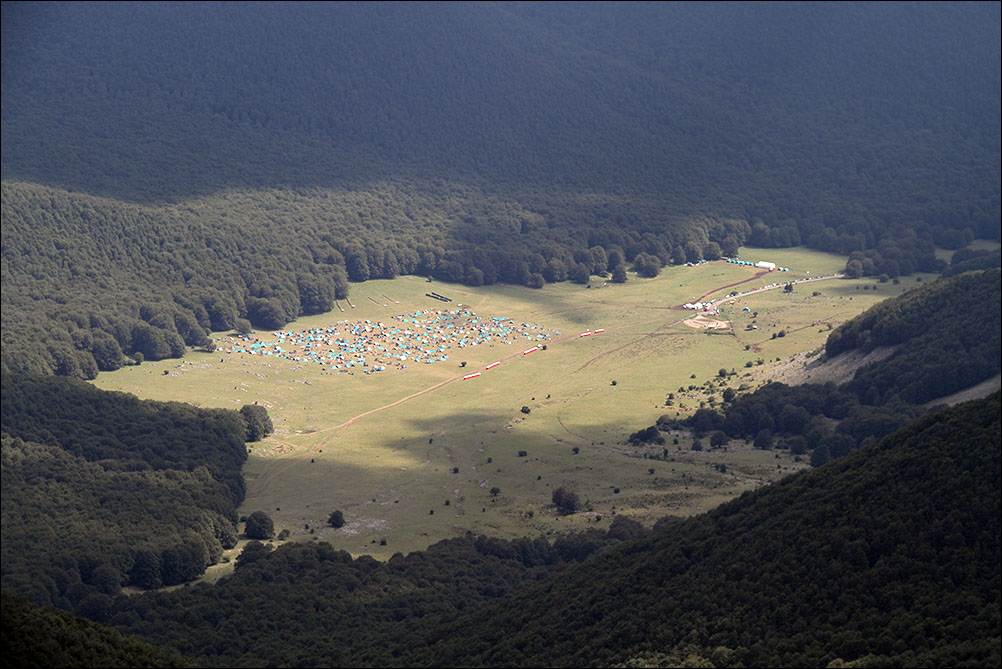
x,y
389,449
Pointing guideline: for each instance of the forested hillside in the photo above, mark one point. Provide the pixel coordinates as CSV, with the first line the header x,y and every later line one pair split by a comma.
x,y
168,168
35,636
946,336
949,336
174,169
888,556
101,489
716,107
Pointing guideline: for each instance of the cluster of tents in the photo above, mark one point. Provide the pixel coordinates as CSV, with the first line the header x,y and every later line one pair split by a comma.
x,y
764,265
423,337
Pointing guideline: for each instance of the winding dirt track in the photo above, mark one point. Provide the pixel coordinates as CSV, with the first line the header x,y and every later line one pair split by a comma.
x,y
261,485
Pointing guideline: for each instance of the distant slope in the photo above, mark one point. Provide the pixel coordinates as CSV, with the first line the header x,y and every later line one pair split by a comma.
x,y
714,107
888,556
949,335
170,164
935,340
882,369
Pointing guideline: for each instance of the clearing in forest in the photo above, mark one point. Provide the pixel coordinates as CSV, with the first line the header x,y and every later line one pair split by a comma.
x,y
418,453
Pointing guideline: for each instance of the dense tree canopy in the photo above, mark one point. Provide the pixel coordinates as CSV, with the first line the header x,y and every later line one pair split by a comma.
x,y
101,490
171,168
938,347
888,556
39,637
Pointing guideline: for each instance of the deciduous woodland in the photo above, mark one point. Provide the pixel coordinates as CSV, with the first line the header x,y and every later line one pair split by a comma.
x,y
166,171
182,177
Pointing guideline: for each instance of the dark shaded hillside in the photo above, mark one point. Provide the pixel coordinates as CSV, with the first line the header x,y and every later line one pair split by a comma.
x,y
169,168
890,556
308,604
102,490
950,337
129,433
33,636
715,107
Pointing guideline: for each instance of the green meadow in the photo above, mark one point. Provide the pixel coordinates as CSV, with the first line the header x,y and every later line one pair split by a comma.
x,y
416,455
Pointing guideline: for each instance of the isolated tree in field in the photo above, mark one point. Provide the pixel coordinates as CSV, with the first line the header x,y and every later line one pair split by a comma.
x,y
650,435
494,491
718,439
257,421
566,500
259,526
336,519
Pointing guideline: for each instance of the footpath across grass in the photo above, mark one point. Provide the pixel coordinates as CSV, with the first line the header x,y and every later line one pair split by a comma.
x,y
415,455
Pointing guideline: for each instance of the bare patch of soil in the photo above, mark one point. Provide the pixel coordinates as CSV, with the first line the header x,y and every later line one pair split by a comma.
x,y
704,323
976,392
815,367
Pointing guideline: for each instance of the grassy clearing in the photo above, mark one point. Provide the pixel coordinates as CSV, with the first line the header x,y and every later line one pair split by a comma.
x,y
411,456
976,245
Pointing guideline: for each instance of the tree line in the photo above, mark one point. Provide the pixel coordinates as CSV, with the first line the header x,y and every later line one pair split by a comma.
x,y
946,336
102,490
268,178
887,556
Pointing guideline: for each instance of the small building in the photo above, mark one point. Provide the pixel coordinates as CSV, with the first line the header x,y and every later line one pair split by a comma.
x,y
766,265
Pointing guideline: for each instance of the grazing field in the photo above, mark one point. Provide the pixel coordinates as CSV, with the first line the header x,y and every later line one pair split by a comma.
x,y
418,454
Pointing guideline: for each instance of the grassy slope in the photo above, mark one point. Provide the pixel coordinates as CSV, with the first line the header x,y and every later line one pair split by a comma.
x,y
384,474
892,551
